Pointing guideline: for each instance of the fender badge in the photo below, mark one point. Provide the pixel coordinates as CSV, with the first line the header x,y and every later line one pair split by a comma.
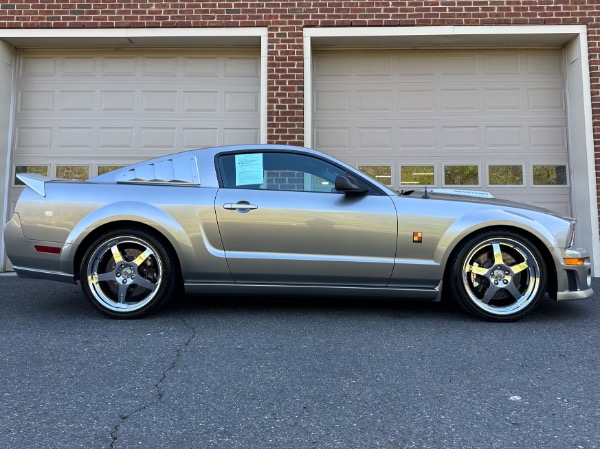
x,y
417,237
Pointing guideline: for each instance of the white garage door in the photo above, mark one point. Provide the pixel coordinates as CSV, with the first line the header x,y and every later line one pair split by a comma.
x,y
483,119
80,113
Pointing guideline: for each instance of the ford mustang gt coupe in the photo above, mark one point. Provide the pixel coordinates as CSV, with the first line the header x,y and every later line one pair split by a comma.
x,y
279,219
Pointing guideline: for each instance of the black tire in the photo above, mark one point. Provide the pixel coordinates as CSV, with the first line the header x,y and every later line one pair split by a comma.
x,y
142,281
497,276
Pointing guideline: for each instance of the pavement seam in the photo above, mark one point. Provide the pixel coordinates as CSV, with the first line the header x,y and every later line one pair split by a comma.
x,y
114,435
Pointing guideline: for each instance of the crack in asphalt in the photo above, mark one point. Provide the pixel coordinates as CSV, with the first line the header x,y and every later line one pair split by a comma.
x,y
114,435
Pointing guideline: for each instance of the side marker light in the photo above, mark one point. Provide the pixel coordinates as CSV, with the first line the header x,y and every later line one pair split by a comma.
x,y
47,249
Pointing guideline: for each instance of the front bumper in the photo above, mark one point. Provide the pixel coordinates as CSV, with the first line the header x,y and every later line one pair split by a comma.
x,y
573,281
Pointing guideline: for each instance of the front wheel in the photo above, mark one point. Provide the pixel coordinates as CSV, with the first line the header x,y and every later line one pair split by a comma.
x,y
498,276
127,274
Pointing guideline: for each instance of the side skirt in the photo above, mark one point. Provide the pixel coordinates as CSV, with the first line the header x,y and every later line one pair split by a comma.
x,y
31,273
427,294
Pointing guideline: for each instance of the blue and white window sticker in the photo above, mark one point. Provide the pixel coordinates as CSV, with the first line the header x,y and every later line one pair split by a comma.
x,y
249,169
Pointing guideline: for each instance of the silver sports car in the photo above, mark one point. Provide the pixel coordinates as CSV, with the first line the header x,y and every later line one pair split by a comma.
x,y
271,218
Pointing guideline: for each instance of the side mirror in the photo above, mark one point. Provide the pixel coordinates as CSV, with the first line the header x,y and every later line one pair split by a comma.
x,y
349,185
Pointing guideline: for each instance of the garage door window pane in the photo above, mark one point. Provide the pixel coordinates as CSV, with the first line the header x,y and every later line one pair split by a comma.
x,y
505,175
418,175
79,172
461,175
380,173
108,168
550,175
35,169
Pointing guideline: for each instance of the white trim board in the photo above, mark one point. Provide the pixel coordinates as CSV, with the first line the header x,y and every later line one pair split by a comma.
x,y
134,37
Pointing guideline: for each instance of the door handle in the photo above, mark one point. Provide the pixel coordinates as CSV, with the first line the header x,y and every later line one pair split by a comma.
x,y
239,205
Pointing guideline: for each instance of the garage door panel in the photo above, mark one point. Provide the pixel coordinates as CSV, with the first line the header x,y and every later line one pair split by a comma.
x,y
504,63
375,139
76,101
241,101
460,139
330,139
71,139
32,101
79,66
416,63
459,100
35,139
418,99
195,101
455,63
239,136
504,138
546,99
241,67
548,138
163,101
441,108
417,138
78,111
500,99
116,138
38,66
199,138
544,63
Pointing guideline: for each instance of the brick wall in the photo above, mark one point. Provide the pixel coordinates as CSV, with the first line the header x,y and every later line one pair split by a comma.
x,y
286,19
285,180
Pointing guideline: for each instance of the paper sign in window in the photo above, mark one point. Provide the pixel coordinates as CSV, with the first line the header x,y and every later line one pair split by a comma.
x,y
249,169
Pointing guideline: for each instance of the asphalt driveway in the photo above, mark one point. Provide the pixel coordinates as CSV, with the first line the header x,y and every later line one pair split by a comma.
x,y
267,373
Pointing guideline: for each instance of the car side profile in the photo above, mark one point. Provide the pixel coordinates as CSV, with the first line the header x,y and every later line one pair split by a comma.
x,y
280,219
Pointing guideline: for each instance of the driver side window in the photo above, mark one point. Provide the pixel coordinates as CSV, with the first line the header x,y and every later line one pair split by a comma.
x,y
277,171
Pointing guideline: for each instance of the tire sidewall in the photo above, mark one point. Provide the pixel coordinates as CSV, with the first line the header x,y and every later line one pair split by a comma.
x,y
165,290
458,289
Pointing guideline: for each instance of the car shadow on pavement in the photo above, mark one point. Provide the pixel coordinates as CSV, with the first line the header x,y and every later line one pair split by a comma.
x,y
548,310
26,296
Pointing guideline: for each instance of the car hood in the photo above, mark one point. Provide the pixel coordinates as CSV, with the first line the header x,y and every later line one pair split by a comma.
x,y
485,201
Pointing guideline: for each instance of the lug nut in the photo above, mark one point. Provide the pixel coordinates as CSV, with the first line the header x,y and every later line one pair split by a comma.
x,y
118,274
124,281
505,281
495,282
133,276
506,272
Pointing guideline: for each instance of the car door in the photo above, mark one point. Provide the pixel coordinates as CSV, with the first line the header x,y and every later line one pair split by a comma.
x,y
282,222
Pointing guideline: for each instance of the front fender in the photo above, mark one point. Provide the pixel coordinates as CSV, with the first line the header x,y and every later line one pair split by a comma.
x,y
551,231
126,211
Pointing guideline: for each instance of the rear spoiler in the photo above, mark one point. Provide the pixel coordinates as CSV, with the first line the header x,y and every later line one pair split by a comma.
x,y
35,182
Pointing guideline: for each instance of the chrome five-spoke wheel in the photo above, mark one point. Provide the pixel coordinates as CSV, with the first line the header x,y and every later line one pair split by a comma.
x,y
126,274
498,277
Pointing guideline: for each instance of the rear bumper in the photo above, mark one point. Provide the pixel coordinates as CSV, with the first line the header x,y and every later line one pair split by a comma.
x,y
29,263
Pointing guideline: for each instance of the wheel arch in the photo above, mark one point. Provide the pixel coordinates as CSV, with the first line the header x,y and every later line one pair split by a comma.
x,y
533,238
125,215
121,224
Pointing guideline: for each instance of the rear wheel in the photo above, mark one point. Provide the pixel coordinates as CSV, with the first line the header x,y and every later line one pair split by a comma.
x,y
499,276
128,273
